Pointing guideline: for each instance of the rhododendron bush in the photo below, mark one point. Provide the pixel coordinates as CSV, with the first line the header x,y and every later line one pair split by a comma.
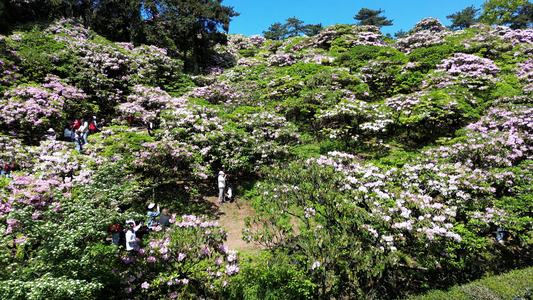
x,y
375,168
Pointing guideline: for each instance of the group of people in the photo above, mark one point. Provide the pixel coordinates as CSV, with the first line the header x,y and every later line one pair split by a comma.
x,y
6,169
127,235
77,131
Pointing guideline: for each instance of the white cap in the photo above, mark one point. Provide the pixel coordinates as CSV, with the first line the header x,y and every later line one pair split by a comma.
x,y
94,117
151,205
220,173
51,130
130,221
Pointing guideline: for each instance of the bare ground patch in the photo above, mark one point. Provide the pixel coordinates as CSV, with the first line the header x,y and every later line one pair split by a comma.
x,y
231,217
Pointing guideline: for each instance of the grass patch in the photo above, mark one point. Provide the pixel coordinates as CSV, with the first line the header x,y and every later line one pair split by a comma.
x,y
515,284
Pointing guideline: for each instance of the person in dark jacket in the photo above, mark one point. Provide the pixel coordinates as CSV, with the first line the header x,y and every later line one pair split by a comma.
x,y
164,220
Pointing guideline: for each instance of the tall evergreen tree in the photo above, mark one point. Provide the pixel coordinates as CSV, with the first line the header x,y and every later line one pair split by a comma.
x,y
523,18
463,19
400,34
276,31
189,26
312,29
294,26
117,20
368,16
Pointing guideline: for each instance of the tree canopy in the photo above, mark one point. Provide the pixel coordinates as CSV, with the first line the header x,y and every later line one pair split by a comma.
x,y
368,16
513,13
292,27
187,27
464,18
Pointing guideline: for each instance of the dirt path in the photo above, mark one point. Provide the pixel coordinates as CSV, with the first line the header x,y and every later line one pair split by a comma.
x,y
231,218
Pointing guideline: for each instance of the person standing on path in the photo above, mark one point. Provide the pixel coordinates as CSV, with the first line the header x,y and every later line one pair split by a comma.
x,y
221,187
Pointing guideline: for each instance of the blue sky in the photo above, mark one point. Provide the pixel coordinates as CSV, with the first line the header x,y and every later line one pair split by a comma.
x,y
257,15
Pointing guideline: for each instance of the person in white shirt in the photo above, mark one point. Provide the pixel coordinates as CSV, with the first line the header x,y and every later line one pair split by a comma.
x,y
221,187
84,130
131,237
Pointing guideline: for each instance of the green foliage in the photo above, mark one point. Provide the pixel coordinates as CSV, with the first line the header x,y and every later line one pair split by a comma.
x,y
506,12
463,19
247,52
357,56
37,55
515,284
292,27
268,277
439,122
275,32
367,16
427,58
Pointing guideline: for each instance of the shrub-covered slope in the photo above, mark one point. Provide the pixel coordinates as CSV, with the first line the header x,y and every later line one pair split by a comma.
x,y
376,168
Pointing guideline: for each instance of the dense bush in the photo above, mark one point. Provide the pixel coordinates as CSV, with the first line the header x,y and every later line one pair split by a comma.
x,y
375,168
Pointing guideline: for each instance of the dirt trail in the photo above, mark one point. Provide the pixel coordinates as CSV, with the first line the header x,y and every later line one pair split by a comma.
x,y
231,218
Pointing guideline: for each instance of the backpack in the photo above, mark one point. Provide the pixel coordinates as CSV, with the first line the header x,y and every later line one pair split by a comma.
x,y
75,125
92,126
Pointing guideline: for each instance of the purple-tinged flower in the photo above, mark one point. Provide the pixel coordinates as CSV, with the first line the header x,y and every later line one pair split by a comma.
x,y
181,256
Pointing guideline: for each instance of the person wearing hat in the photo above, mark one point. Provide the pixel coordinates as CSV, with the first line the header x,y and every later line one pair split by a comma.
x,y
50,135
152,214
131,237
221,187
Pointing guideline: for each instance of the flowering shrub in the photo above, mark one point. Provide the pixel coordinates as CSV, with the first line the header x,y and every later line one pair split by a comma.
x,y
8,73
472,71
257,40
31,108
440,122
147,103
187,259
281,60
353,35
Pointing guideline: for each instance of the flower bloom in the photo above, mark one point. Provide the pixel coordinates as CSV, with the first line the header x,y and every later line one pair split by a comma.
x,y
181,256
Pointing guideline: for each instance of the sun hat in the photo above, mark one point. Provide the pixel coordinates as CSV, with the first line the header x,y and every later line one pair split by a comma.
x,y
51,130
151,205
130,221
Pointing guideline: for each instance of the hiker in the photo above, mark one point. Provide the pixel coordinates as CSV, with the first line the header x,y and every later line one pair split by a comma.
x,y
100,125
76,138
131,237
67,134
152,215
93,126
221,187
50,135
164,220
84,131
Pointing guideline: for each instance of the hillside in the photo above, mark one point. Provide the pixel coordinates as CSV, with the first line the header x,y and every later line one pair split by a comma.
x,y
367,167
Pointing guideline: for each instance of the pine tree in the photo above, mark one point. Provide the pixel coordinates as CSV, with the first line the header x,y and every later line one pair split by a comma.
x,y
368,16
